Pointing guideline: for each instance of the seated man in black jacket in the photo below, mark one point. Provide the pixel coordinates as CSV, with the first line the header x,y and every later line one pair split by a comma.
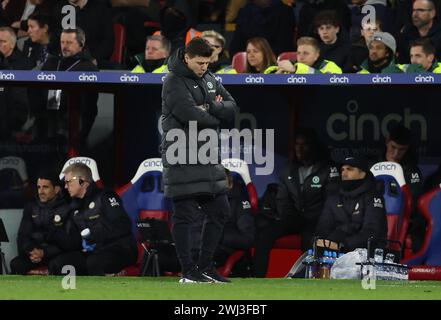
x,y
357,212
304,186
108,242
46,230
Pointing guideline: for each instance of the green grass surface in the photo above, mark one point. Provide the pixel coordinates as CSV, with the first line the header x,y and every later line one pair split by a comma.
x,y
168,288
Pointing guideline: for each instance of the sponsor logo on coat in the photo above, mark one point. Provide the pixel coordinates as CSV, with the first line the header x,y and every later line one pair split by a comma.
x,y
378,203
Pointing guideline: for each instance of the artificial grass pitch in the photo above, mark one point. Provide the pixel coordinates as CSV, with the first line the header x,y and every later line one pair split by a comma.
x,y
168,288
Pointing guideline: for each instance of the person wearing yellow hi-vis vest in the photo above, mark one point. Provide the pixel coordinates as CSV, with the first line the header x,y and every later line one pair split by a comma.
x,y
308,60
382,48
157,50
219,62
422,58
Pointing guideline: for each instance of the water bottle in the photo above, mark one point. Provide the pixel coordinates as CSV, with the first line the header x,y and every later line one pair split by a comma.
x,y
334,257
378,256
390,257
324,266
308,262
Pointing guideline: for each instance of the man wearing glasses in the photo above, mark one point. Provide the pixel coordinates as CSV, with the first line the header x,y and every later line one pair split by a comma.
x,y
424,25
107,240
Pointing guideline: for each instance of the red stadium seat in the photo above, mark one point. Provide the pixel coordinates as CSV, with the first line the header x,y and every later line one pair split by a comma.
x,y
120,41
429,205
289,55
397,197
240,168
143,197
239,62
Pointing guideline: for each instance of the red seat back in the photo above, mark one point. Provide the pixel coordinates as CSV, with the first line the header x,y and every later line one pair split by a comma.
x,y
120,41
239,62
288,55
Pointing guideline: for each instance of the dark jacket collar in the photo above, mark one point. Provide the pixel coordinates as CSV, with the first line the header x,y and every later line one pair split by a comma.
x,y
368,184
177,65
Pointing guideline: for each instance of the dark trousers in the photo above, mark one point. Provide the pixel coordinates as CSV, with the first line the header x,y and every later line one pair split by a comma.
x,y
271,232
22,265
99,262
185,213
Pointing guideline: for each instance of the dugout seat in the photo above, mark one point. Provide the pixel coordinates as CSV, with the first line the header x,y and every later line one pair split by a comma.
x,y
14,185
143,197
239,62
239,169
91,163
397,197
429,205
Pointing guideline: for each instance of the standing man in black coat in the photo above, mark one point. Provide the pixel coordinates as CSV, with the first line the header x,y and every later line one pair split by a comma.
x,y
192,99
46,230
357,212
72,58
105,228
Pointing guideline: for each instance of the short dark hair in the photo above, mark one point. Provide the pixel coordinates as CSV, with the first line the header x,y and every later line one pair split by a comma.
x,y
401,135
51,175
79,35
327,17
42,20
198,47
426,44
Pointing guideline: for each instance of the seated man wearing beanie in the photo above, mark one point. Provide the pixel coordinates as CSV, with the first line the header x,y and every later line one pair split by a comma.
x,y
356,212
382,48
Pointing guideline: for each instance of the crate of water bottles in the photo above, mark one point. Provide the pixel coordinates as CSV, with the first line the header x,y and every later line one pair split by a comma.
x,y
383,258
320,259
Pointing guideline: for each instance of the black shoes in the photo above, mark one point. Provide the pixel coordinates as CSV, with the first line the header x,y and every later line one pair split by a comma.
x,y
210,274
193,276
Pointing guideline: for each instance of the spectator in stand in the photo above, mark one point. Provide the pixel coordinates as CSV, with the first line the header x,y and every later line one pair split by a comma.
x,y
233,9
157,50
304,185
422,58
51,112
219,61
14,103
356,213
332,46
359,51
308,9
382,48
95,18
424,25
22,9
260,57
272,20
38,47
382,12
308,60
